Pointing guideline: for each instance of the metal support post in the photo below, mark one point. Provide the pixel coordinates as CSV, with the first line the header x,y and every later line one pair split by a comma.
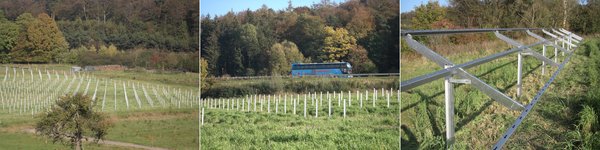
x,y
556,51
543,62
519,73
449,100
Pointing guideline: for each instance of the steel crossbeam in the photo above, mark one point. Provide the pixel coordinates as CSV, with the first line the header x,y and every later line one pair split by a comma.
x,y
504,138
459,70
561,38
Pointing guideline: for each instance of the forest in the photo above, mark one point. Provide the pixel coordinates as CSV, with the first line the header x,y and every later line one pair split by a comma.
x,y
580,16
153,34
266,41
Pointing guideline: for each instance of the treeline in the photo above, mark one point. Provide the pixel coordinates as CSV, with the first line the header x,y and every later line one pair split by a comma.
x,y
573,15
142,30
266,42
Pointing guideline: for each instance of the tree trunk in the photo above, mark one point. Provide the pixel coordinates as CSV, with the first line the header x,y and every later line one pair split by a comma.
x,y
564,23
78,144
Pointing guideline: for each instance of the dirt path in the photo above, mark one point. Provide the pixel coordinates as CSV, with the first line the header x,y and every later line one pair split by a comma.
x,y
114,143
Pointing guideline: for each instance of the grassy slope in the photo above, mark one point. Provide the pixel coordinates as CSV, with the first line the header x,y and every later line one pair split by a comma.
x,y
479,120
130,125
364,128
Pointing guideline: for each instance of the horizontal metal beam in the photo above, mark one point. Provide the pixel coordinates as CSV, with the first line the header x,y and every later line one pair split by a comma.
x,y
548,41
574,35
560,36
566,35
528,50
457,31
414,82
476,82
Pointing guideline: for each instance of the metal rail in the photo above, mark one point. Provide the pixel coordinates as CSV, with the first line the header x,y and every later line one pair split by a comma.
x,y
528,108
451,70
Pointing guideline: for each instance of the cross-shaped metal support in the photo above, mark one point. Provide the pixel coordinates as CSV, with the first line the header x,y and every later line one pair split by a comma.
x,y
451,70
449,88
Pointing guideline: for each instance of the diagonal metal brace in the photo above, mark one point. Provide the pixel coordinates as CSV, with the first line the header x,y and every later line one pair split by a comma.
x,y
527,50
566,35
557,37
490,91
425,51
547,41
572,34
476,82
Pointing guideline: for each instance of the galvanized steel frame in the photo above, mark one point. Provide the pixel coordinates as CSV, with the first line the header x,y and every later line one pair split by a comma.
x,y
451,69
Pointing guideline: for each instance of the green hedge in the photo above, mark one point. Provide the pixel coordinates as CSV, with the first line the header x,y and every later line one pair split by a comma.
x,y
296,86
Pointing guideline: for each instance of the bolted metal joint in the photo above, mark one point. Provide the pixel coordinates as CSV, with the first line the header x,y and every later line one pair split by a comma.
x,y
460,81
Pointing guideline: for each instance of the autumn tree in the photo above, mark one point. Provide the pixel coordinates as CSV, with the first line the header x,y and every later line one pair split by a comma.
x,y
308,34
282,55
362,21
292,54
111,50
426,15
360,61
277,60
40,39
337,44
73,118
203,72
9,32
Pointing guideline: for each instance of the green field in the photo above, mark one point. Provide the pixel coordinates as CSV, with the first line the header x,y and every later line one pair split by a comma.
x,y
164,116
480,121
366,127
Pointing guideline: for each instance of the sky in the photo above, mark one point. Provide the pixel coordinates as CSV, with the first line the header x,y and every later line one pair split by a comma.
x,y
409,5
221,7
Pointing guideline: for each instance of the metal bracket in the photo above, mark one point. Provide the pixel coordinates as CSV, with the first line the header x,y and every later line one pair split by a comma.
x,y
460,81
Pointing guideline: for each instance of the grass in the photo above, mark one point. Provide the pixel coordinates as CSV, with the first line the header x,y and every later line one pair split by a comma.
x,y
363,128
480,121
12,140
172,124
176,130
236,88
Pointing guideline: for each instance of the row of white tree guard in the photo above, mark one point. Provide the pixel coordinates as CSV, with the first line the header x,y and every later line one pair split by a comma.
x,y
23,92
254,103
